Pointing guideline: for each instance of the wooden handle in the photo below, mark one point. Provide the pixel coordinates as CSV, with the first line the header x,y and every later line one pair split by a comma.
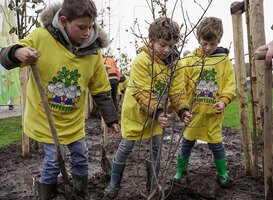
x,y
50,119
45,104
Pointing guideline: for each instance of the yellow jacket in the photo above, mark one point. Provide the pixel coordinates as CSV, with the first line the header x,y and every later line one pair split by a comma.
x,y
205,86
123,85
146,93
66,80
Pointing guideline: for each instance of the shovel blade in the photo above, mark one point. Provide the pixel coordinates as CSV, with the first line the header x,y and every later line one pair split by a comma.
x,y
105,162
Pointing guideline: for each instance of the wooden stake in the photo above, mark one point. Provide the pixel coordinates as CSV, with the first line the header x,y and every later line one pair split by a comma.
x,y
268,160
240,70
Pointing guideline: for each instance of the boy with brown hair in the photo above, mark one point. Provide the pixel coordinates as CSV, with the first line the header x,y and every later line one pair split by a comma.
x,y
209,73
154,83
67,52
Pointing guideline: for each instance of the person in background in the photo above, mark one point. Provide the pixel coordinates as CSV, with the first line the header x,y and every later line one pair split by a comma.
x,y
209,79
67,52
268,48
114,76
145,106
10,103
124,79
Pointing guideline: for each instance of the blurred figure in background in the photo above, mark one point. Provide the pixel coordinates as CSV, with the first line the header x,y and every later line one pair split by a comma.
x,y
113,75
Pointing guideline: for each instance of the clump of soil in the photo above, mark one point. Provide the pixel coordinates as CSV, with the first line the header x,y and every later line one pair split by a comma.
x,y
18,175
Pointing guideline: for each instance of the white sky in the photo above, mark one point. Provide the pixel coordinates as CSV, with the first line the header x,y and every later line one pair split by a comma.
x,y
123,13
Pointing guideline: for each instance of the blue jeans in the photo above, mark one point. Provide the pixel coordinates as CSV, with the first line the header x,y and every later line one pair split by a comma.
x,y
217,149
50,168
126,146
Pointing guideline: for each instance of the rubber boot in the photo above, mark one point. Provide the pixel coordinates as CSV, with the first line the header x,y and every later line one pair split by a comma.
x,y
80,186
111,191
221,167
182,167
150,174
47,191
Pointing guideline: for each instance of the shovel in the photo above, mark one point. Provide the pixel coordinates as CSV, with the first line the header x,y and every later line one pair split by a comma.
x,y
68,189
105,163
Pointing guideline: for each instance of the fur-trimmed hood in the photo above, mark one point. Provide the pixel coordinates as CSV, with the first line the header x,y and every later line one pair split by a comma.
x,y
50,20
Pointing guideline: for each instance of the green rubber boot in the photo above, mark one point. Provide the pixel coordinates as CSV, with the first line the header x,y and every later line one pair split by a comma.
x,y
221,167
182,167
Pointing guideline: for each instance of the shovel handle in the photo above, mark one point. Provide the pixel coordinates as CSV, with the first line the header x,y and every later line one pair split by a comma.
x,y
50,119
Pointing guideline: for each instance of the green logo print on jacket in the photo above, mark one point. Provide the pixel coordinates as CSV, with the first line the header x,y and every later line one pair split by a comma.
x,y
207,87
160,91
63,91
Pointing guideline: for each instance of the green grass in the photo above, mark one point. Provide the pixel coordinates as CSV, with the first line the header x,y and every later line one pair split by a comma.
x,y
232,116
10,130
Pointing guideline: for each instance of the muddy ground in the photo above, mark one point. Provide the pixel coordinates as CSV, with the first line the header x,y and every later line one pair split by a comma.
x,y
18,175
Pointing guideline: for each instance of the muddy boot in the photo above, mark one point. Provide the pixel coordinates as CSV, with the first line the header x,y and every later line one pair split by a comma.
x,y
111,191
47,191
150,174
80,186
182,167
221,167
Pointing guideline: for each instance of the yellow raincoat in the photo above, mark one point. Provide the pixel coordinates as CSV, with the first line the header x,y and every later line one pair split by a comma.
x,y
66,81
205,85
146,92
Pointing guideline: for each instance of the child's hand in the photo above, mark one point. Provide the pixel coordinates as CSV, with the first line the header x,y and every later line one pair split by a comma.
x,y
27,55
164,121
115,131
187,118
219,107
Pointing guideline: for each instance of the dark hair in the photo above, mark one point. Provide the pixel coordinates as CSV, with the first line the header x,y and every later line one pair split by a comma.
x,y
164,28
73,9
210,28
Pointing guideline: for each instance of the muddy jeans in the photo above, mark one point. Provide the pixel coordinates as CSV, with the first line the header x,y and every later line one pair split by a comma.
x,y
126,146
79,161
217,149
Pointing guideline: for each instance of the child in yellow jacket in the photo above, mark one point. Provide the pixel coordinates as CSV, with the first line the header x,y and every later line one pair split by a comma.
x,y
209,80
67,52
146,98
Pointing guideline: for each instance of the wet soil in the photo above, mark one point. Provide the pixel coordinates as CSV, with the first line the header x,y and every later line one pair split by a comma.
x,y
18,175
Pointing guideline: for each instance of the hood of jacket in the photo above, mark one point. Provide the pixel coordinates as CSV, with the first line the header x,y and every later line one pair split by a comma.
x,y
220,51
50,20
172,58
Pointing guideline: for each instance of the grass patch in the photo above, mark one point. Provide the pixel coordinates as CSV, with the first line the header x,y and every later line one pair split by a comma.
x,y
232,115
10,130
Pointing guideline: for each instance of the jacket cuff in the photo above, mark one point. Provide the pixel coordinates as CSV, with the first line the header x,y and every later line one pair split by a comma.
x,y
8,60
111,123
13,49
181,113
226,100
157,113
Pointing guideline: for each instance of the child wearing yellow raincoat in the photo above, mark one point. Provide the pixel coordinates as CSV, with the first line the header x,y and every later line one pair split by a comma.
x,y
155,80
209,73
